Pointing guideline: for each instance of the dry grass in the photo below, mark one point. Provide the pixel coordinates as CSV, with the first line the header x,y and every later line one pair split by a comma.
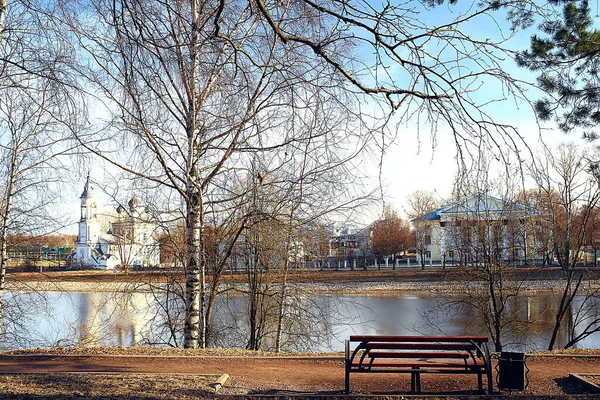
x,y
234,353
105,385
566,352
167,352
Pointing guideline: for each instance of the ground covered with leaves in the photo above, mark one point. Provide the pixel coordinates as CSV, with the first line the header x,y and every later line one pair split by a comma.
x,y
149,373
104,385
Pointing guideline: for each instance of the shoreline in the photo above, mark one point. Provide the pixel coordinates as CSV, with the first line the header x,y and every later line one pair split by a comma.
x,y
346,289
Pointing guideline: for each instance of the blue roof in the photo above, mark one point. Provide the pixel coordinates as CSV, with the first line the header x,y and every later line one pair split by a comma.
x,y
480,206
430,216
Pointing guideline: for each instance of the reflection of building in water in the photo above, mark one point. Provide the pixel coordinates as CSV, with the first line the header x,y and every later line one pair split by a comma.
x,y
129,240
90,318
132,323
527,324
114,319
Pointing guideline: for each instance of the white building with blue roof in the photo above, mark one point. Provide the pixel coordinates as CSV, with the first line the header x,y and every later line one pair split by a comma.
x,y
479,228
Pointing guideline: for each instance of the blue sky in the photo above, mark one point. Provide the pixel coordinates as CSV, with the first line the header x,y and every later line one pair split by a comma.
x,y
411,164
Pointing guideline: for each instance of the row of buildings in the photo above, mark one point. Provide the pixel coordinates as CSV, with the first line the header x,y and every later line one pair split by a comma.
x,y
475,229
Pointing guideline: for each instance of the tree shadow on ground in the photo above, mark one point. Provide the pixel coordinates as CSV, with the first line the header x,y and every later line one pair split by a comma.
x,y
570,386
295,393
334,393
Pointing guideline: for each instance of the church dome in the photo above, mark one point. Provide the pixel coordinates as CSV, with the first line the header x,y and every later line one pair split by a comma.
x,y
134,202
120,209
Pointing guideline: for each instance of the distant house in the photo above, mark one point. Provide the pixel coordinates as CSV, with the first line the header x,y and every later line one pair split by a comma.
x,y
480,228
347,243
59,251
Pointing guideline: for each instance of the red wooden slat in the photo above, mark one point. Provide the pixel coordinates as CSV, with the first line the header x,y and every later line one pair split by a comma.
x,y
420,364
476,339
419,354
418,346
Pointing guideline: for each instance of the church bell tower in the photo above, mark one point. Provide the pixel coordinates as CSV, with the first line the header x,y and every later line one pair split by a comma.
x,y
89,226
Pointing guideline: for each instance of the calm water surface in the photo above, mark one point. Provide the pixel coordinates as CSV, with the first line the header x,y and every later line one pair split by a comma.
x,y
113,319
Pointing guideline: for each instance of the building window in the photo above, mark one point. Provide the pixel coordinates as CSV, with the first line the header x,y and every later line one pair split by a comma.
x,y
427,254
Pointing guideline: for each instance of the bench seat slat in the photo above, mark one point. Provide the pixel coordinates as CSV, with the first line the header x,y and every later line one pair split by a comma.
x,y
423,346
419,364
419,354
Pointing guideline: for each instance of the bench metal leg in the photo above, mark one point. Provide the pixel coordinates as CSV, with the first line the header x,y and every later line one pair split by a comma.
x,y
347,383
480,381
415,381
347,367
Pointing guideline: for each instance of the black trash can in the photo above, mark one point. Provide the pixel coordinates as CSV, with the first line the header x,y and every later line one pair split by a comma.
x,y
511,371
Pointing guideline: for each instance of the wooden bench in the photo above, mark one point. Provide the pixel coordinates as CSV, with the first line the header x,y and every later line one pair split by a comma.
x,y
416,355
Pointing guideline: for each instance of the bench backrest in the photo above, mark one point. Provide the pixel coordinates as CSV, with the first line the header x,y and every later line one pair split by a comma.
x,y
476,346
419,339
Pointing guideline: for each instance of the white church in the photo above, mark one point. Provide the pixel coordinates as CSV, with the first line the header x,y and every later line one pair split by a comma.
x,y
106,240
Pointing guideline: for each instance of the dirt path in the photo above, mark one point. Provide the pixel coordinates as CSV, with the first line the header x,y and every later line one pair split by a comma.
x,y
254,375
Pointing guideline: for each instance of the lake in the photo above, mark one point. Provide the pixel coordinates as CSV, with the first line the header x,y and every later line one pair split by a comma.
x,y
315,323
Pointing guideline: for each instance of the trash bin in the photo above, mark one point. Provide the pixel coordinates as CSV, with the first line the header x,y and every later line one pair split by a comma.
x,y
511,371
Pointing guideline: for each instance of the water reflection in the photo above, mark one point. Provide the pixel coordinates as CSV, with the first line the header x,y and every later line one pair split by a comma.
x,y
112,319
126,319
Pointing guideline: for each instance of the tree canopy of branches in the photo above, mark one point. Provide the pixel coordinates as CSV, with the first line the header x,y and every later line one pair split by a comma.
x,y
569,187
421,202
198,88
566,56
36,105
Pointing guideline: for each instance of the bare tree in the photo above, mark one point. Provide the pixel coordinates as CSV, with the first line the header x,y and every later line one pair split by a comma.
x,y
198,86
567,179
542,226
314,238
490,236
420,203
37,97
31,145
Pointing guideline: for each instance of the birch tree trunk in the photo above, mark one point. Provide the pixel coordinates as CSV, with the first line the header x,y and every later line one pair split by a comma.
x,y
6,211
195,277
3,7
